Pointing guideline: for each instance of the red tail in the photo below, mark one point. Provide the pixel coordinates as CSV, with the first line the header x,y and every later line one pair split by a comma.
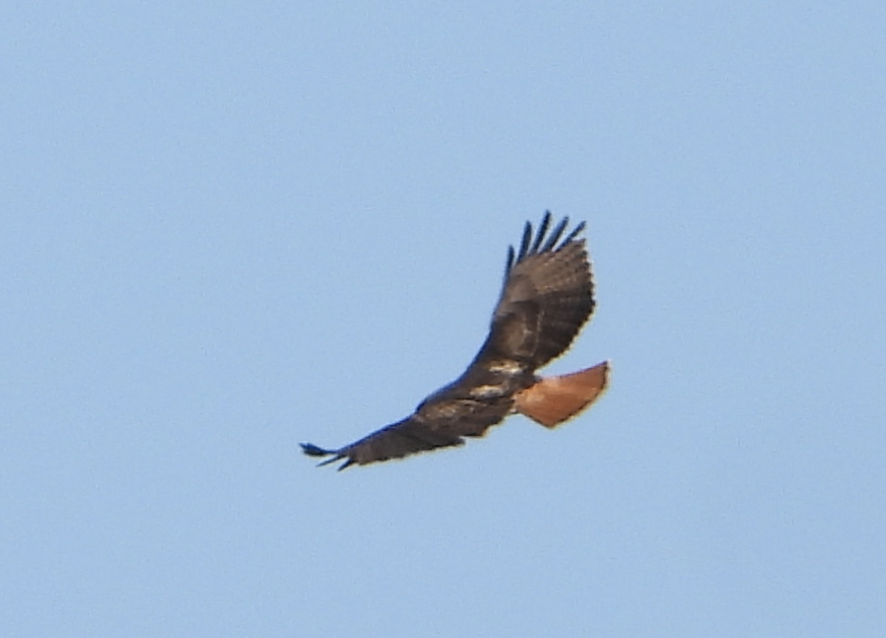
x,y
555,399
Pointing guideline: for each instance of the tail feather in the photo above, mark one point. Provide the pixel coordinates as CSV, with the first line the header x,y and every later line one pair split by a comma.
x,y
553,400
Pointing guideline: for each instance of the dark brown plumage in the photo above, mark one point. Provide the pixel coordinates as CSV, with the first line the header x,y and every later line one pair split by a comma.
x,y
547,296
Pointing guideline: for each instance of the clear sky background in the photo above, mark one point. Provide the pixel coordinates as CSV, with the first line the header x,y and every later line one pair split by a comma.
x,y
231,227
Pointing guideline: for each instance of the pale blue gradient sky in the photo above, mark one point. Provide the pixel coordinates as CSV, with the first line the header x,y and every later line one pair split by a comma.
x,y
230,227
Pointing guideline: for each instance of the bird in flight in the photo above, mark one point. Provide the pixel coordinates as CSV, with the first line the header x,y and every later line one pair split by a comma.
x,y
546,298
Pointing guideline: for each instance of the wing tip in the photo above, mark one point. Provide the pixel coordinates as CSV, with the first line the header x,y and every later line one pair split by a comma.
x,y
543,240
316,451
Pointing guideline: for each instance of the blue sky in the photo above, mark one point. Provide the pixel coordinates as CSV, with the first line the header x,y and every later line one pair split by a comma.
x,y
231,227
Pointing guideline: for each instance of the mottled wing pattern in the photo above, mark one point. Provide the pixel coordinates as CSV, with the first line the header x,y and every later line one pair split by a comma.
x,y
395,441
547,296
438,422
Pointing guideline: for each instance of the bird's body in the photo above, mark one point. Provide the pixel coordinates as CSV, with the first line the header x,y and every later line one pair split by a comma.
x,y
547,296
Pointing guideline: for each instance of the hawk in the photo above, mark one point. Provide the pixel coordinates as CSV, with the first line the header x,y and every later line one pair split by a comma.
x,y
546,298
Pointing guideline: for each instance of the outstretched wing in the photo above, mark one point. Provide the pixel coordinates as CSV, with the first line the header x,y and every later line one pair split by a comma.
x,y
547,296
393,442
440,421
